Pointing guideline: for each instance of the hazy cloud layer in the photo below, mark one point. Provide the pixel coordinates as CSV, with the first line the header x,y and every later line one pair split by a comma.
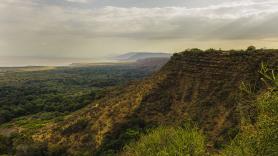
x,y
87,27
78,1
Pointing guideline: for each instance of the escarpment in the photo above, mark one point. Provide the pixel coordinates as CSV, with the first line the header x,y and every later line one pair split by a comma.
x,y
200,86
204,86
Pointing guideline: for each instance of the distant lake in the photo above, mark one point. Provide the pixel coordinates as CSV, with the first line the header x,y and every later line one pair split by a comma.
x,y
42,61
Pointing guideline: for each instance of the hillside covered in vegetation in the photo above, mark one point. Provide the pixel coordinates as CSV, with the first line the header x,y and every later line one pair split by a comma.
x,y
200,103
30,90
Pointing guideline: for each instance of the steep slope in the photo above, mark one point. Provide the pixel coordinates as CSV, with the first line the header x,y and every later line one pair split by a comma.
x,y
202,86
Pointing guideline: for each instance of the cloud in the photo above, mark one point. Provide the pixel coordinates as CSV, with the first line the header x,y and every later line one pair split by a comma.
x,y
137,22
238,18
78,1
33,26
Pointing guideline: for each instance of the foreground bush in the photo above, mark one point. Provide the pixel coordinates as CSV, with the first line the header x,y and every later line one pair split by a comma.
x,y
260,138
164,141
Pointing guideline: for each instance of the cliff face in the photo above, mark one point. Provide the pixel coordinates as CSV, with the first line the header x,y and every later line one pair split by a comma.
x,y
202,86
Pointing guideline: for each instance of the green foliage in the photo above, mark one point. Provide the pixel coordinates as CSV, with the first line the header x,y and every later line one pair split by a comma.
x,y
22,145
13,143
251,48
63,89
168,141
34,149
30,124
128,132
269,77
195,50
260,138
210,50
5,144
57,150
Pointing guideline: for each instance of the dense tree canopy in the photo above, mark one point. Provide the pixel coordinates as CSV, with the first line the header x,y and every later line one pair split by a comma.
x,y
63,89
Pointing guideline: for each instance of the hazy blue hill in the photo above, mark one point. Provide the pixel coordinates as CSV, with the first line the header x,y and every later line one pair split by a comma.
x,y
133,56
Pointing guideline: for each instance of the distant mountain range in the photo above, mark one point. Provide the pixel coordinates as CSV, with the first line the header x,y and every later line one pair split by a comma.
x,y
133,56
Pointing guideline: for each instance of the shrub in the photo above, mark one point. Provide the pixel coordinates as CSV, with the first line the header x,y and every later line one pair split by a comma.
x,y
57,150
128,132
75,127
168,141
5,145
251,48
33,149
262,137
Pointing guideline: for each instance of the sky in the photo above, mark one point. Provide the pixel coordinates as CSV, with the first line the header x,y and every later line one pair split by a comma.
x,y
97,28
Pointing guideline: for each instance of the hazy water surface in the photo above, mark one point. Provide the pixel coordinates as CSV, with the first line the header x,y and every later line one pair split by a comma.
x,y
42,61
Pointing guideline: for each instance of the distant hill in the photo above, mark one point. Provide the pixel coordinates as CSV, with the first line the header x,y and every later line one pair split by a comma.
x,y
133,56
156,62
